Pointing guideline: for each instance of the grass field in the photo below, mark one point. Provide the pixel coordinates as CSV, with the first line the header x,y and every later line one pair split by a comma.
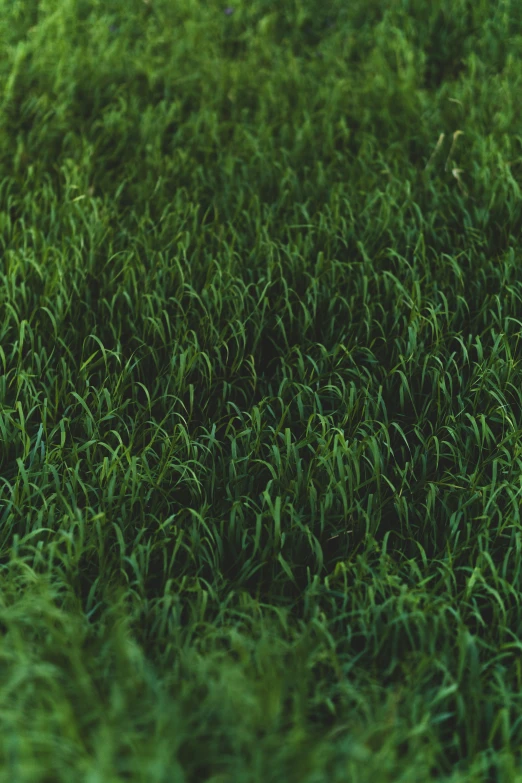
x,y
260,391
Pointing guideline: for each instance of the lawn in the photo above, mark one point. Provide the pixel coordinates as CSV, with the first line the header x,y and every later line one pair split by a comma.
x,y
260,391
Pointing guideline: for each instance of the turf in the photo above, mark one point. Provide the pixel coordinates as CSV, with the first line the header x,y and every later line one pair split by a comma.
x,y
260,391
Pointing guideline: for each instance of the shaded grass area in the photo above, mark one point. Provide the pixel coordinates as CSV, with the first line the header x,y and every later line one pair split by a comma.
x,y
260,391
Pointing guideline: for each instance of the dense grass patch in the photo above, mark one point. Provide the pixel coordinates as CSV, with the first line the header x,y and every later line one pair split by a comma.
x,y
260,391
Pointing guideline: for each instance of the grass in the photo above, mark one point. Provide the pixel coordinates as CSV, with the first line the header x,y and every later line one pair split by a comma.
x,y
260,391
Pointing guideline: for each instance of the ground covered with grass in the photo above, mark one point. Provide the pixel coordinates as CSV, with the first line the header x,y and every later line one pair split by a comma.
x,y
260,391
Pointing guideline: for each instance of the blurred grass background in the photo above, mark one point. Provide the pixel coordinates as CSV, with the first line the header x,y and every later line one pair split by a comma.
x,y
260,391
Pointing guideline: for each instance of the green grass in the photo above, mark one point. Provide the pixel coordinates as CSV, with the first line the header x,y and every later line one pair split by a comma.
x,y
260,391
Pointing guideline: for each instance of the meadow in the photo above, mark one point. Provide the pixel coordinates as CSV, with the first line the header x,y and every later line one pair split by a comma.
x,y
260,391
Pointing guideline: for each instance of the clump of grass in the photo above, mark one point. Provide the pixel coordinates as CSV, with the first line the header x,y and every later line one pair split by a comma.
x,y
259,391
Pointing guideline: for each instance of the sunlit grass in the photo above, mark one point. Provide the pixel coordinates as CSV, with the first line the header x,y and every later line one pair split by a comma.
x,y
260,391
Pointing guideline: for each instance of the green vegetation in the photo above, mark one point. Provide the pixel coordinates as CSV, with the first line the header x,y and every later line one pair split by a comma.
x,y
260,391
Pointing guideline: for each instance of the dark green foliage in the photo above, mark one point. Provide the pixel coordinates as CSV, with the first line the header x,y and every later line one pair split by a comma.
x,y
260,407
